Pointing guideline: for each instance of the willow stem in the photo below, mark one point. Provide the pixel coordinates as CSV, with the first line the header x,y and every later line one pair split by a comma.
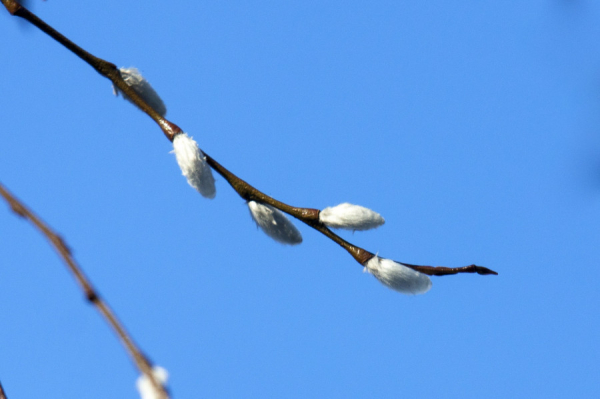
x,y
445,271
86,286
309,216
104,68
2,393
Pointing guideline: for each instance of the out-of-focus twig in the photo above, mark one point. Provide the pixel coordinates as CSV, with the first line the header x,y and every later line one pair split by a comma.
x,y
90,293
2,393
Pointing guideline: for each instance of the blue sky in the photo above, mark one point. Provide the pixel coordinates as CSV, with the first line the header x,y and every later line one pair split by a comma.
x,y
474,129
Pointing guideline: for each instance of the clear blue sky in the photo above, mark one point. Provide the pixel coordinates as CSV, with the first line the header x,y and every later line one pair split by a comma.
x,y
474,129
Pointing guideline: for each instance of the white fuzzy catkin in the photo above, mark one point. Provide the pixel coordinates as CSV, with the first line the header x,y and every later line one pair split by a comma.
x,y
397,276
350,217
193,166
145,387
274,223
136,81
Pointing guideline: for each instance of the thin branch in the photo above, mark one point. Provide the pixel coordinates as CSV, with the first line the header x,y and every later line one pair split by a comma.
x,y
104,68
86,286
2,393
445,271
309,216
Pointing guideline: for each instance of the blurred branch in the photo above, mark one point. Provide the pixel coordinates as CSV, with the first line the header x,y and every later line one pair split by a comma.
x,y
84,283
2,393
307,215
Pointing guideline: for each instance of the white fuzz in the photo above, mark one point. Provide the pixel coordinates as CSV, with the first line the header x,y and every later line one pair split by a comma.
x,y
136,81
193,166
397,276
145,387
350,217
274,223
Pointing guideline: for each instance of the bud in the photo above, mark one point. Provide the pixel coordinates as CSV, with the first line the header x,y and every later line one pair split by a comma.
x,y
350,217
397,276
193,165
274,223
136,81
145,387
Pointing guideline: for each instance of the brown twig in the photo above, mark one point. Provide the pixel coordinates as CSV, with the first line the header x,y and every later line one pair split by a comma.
x,y
2,393
307,215
311,217
84,283
445,271
104,68
246,191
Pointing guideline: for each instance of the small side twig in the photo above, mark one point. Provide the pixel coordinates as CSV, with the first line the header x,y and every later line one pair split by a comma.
x,y
90,293
445,271
311,217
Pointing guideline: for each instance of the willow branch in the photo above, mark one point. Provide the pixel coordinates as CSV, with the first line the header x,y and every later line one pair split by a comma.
x,y
104,68
309,216
86,286
2,393
444,271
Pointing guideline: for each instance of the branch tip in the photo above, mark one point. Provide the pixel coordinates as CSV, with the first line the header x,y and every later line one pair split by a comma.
x,y
484,270
445,271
